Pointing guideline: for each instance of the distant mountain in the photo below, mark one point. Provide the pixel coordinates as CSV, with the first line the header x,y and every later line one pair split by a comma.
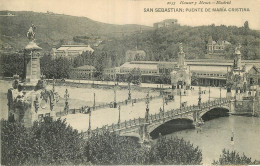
x,y
51,28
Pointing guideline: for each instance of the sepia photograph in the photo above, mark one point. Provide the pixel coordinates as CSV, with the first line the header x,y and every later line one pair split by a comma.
x,y
129,82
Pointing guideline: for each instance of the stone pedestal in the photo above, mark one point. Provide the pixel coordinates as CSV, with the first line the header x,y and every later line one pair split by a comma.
x,y
33,69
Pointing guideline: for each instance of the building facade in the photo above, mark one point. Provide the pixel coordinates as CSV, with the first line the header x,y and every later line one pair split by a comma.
x,y
71,51
216,46
82,72
202,72
242,76
111,73
165,23
214,74
148,70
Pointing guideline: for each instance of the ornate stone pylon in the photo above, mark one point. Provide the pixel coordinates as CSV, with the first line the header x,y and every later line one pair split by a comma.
x,y
31,100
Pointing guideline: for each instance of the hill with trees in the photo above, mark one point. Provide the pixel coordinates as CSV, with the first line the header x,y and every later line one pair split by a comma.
x,y
159,44
54,29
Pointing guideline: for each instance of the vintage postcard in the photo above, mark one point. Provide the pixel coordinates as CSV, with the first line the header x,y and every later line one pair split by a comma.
x,y
130,82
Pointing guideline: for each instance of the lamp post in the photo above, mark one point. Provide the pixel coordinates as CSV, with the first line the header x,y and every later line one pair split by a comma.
x,y
115,96
129,91
180,99
89,125
66,96
163,106
119,120
163,101
220,92
199,101
147,108
53,84
209,92
94,105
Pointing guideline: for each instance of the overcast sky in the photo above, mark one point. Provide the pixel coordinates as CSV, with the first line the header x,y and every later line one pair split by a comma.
x,y
132,11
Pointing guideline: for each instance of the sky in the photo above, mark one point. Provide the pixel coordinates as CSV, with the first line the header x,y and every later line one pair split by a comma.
x,y
132,11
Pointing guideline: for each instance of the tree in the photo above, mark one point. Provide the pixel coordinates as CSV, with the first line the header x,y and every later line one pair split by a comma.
x,y
62,67
12,63
194,79
164,79
46,142
233,158
134,76
174,151
47,66
137,76
14,143
111,149
246,27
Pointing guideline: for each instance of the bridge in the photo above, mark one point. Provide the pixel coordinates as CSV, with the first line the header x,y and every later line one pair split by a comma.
x,y
142,127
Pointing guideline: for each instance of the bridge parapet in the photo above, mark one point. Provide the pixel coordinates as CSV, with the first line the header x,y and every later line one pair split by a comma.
x,y
190,112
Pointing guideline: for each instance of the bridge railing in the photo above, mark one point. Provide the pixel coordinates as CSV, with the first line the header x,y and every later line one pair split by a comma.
x,y
175,112
158,116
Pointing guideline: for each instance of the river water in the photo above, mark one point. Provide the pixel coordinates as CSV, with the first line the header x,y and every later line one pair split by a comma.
x,y
215,135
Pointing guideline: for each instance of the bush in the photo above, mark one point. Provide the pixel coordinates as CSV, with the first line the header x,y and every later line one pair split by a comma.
x,y
233,158
14,143
110,148
113,149
174,151
46,142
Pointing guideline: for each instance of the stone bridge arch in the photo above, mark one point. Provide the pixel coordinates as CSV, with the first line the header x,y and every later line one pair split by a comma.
x,y
219,111
170,126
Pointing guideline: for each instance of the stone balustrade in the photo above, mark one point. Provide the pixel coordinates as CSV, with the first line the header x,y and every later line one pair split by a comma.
x,y
158,117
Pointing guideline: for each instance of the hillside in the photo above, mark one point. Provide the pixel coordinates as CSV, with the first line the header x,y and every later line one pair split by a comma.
x,y
159,44
51,28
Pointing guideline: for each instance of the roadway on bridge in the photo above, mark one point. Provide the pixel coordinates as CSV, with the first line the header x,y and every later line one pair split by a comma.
x,y
107,116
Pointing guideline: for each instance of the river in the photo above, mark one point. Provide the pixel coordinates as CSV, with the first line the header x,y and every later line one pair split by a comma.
x,y
214,135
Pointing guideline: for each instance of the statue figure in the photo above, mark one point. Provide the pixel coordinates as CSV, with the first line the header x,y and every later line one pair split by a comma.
x,y
30,33
181,48
237,49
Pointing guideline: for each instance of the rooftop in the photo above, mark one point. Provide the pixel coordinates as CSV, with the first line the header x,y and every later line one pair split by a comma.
x,y
75,48
215,69
139,65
